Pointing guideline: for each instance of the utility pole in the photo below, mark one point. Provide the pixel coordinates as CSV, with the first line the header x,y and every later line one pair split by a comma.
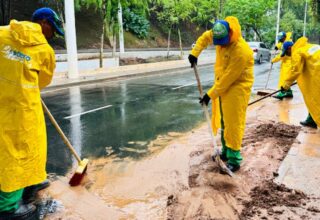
x,y
71,39
305,18
121,38
278,20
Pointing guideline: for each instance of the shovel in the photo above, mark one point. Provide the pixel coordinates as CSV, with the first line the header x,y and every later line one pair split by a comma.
x,y
216,152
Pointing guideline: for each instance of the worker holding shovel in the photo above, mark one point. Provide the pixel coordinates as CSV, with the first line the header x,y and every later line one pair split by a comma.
x,y
284,70
27,63
232,87
305,69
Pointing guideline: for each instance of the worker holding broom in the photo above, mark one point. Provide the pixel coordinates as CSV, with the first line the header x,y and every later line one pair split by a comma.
x,y
285,63
284,70
232,86
305,69
27,63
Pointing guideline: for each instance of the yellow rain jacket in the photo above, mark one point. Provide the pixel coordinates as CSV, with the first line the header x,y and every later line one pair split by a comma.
x,y
306,69
233,82
284,69
27,64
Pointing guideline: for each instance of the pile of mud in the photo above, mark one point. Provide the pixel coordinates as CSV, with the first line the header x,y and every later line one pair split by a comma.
x,y
268,196
137,60
252,194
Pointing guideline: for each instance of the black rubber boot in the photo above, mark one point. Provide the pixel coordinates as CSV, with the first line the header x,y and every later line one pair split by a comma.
x,y
233,168
24,212
30,192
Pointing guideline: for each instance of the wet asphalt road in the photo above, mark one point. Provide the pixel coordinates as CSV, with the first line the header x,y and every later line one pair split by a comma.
x,y
121,117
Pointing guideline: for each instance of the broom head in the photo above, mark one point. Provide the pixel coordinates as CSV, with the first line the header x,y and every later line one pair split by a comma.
x,y
79,174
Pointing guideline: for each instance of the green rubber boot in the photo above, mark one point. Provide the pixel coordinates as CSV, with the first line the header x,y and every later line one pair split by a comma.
x,y
309,122
280,95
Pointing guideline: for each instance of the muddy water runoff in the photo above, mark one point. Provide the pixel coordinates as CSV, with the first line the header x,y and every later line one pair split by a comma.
x,y
121,118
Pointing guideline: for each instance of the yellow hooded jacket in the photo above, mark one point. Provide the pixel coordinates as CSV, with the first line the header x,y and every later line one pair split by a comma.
x,y
27,64
233,82
306,69
284,69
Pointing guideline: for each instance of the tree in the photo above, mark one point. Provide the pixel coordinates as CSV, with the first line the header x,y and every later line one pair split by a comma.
x,y
205,12
109,15
171,13
5,12
252,14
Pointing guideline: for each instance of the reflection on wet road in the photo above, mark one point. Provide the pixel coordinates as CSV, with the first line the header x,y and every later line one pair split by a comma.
x,y
121,118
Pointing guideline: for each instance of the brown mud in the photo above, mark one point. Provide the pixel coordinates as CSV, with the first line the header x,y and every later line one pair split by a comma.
x,y
137,60
252,194
179,180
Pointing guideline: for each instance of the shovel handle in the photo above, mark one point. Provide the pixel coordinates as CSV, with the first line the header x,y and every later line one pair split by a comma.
x,y
205,107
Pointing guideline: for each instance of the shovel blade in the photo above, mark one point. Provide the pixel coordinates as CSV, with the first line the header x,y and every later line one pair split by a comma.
x,y
223,168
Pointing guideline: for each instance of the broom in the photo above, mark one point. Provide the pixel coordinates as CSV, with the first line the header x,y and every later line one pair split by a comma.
x,y
216,154
263,92
82,164
266,96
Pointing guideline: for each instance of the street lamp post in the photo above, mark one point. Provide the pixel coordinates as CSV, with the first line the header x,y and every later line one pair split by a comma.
x,y
305,18
278,20
71,39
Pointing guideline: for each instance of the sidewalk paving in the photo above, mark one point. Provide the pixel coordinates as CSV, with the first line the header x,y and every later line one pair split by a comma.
x,y
300,168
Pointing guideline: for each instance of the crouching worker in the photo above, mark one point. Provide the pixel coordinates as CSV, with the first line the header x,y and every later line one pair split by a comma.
x,y
285,69
27,63
305,69
232,86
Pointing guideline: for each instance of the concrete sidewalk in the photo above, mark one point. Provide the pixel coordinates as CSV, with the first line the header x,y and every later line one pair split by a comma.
x,y
300,168
114,73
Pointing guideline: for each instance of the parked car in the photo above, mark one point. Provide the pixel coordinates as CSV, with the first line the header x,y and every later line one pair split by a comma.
x,y
260,52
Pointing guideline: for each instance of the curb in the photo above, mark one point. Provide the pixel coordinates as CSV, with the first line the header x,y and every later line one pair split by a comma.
x,y
83,80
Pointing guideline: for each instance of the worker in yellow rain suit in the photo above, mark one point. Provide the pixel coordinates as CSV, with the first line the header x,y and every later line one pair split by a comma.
x,y
27,63
232,86
305,69
284,70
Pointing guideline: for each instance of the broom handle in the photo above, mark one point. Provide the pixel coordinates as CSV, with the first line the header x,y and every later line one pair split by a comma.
x,y
266,96
268,76
205,108
62,135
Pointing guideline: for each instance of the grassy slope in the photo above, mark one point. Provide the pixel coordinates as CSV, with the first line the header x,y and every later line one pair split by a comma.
x,y
88,26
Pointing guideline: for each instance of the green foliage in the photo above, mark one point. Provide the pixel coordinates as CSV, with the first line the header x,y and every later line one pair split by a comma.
x,y
172,12
206,11
136,24
253,15
290,22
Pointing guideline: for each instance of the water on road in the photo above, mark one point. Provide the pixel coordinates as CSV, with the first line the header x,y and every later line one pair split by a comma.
x,y
121,118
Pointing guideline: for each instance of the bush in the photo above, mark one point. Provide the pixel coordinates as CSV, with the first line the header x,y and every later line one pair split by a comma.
x,y
136,24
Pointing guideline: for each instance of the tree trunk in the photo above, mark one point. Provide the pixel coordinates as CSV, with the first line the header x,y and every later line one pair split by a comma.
x,y
5,12
180,44
104,14
168,50
114,45
258,34
121,38
101,47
